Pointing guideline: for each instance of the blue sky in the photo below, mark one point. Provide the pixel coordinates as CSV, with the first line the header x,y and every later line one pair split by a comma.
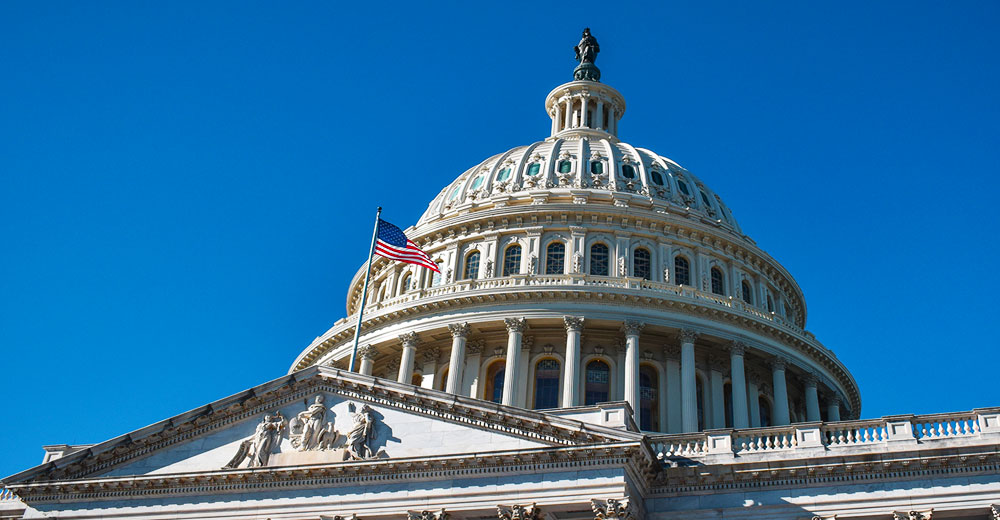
x,y
186,188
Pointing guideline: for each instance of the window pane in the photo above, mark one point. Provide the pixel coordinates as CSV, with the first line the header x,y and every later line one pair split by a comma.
x,y
477,182
472,266
504,174
649,393
599,260
534,169
682,271
565,166
717,287
555,255
436,277
547,384
683,186
455,193
657,178
747,295
628,171
641,264
705,199
596,167
512,260
598,383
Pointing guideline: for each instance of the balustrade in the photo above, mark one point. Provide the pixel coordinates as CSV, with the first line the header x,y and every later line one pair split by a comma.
x,y
763,439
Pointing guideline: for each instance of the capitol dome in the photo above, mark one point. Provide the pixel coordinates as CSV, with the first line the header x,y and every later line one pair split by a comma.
x,y
581,270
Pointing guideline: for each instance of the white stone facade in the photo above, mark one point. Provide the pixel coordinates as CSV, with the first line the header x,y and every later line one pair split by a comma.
x,y
603,342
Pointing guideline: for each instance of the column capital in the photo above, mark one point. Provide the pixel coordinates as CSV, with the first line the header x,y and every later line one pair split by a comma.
x,y
367,352
432,354
833,399
688,335
632,327
737,348
517,512
611,508
779,363
573,323
810,378
475,347
515,324
672,352
459,330
716,364
409,339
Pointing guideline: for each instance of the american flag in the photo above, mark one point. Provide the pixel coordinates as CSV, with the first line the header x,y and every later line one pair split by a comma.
x,y
393,244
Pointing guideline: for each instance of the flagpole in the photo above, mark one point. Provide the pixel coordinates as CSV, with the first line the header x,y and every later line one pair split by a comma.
x,y
364,292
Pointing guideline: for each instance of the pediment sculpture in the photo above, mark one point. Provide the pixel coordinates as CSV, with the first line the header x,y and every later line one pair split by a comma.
x,y
310,430
258,448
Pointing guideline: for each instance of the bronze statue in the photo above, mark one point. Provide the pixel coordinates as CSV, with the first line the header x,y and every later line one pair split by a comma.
x,y
587,49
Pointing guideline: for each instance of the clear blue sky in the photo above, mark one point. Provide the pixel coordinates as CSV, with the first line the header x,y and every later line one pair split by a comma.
x,y
186,188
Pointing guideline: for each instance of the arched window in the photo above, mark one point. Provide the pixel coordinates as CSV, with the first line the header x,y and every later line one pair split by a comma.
x,y
770,303
381,293
416,380
477,182
598,382
405,286
642,266
547,384
555,258
704,198
717,281
727,392
599,260
788,311
494,381
682,271
700,392
512,260
747,292
649,399
471,271
765,412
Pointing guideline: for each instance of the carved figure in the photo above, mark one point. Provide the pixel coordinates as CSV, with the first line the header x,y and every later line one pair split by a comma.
x,y
517,512
258,447
313,424
532,263
611,508
427,515
489,269
361,434
577,262
587,49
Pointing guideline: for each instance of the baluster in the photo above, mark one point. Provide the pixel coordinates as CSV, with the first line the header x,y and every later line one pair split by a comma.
x,y
975,425
950,429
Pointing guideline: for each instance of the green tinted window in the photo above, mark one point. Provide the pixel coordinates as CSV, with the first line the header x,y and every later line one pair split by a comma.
x,y
504,174
597,167
657,178
477,182
565,166
628,171
534,169
455,193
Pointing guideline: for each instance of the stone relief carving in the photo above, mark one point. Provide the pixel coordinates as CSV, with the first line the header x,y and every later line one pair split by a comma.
x,y
258,448
912,515
310,431
532,264
517,512
622,267
577,262
612,508
427,515
359,439
489,269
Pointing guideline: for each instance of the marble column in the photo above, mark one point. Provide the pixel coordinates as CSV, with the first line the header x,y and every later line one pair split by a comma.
x,y
473,357
456,363
521,397
632,328
571,376
430,356
599,115
689,389
618,393
739,385
753,399
779,415
672,353
410,340
367,354
833,408
569,113
812,397
718,393
515,330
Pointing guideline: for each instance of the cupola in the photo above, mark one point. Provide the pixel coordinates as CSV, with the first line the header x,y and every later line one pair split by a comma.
x,y
585,106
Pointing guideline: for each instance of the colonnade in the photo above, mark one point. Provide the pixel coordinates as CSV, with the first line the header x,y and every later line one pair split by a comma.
x,y
678,391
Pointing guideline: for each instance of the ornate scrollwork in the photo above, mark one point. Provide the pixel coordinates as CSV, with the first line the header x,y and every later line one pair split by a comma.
x,y
688,336
737,348
517,512
515,324
632,327
427,515
367,352
409,339
460,330
573,323
612,508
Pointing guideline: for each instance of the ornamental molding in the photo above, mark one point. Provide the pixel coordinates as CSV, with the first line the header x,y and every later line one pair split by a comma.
x,y
409,339
632,327
427,515
475,347
688,336
573,323
737,348
515,324
611,508
779,363
459,330
367,352
431,354
913,515
519,512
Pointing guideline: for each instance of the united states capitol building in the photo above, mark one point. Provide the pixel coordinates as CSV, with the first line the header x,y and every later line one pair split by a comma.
x,y
603,341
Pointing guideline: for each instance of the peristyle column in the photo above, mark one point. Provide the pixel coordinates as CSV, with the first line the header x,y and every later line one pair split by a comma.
x,y
515,330
672,353
367,354
739,385
410,340
812,397
456,364
632,328
715,368
753,399
833,408
780,413
689,390
571,379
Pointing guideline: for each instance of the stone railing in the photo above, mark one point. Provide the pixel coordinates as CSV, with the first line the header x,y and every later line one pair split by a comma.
x,y
807,439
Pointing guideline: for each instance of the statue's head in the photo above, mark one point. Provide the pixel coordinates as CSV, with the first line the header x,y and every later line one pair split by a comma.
x,y
586,31
267,418
319,399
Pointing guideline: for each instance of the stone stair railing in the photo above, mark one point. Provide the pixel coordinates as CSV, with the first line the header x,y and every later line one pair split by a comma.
x,y
982,425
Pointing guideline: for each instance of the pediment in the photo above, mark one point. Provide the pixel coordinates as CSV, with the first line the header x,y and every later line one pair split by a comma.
x,y
322,415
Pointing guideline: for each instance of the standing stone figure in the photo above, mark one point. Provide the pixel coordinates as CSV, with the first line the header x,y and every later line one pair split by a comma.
x,y
587,49
361,434
313,424
258,448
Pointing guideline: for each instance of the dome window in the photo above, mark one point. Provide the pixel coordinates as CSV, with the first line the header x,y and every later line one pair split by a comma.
x,y
641,264
599,260
747,292
596,167
565,167
504,174
471,270
683,187
534,169
555,258
682,271
718,286
477,182
455,192
704,198
512,260
628,171
546,384
657,178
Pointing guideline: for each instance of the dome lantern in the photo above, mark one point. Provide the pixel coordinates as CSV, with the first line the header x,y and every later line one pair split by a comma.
x,y
584,106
